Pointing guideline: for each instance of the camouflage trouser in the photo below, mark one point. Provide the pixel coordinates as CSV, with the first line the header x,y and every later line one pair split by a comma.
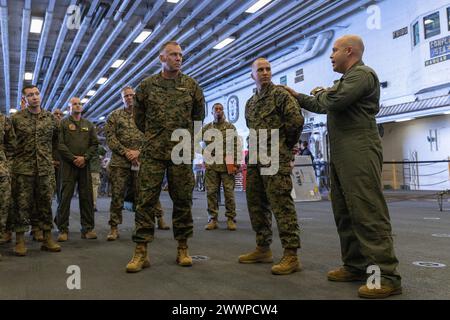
x,y
121,179
32,191
213,180
267,194
181,186
5,201
95,176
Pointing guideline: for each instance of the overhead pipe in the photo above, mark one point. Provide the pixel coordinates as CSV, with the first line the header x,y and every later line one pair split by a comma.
x,y
48,99
26,14
121,10
141,64
56,51
5,51
104,48
87,52
43,41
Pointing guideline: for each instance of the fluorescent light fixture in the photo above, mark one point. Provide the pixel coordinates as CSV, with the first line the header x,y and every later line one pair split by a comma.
x,y
428,21
36,24
102,80
224,43
84,100
101,118
447,112
173,1
118,63
65,112
258,5
403,120
28,76
91,93
12,110
143,36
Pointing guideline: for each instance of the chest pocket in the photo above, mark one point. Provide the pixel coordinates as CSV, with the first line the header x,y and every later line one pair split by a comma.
x,y
270,116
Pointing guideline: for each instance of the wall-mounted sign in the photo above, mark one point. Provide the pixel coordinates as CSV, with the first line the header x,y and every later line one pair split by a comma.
x,y
399,33
437,60
439,47
233,109
283,80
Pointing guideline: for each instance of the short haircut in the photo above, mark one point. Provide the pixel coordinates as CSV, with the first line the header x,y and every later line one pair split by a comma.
x,y
165,44
28,86
126,88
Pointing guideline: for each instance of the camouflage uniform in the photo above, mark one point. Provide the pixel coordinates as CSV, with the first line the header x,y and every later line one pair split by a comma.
x,y
359,207
37,136
7,148
162,106
94,165
76,138
217,173
122,135
273,108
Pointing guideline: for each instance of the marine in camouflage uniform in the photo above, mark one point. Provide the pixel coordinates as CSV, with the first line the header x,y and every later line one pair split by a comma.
x,y
356,160
37,134
216,171
272,107
165,102
7,148
125,140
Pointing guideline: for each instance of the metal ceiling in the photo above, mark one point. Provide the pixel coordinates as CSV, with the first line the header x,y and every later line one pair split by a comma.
x,y
67,61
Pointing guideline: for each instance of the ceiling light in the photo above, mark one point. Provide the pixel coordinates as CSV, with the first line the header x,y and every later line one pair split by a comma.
x,y
428,21
65,112
403,120
224,43
36,24
143,36
118,63
102,80
28,76
91,93
447,112
12,110
101,118
84,100
173,1
258,5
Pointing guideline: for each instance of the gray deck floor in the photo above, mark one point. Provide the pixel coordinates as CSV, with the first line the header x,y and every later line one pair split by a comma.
x,y
42,275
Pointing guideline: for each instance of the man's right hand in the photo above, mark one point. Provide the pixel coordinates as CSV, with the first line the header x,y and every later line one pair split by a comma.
x,y
132,155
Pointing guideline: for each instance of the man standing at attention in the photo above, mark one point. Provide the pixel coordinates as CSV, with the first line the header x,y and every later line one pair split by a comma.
x,y
272,108
359,207
165,102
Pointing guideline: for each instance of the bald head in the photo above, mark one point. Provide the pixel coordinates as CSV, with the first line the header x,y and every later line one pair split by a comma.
x,y
261,72
75,106
347,50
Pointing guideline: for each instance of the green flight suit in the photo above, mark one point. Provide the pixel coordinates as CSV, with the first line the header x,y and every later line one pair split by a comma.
x,y
161,107
76,138
356,161
273,109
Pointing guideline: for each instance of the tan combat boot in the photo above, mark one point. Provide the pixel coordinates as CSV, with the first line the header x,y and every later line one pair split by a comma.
x,y
183,258
20,249
231,225
288,264
212,224
113,234
383,292
139,260
344,275
162,224
260,255
6,237
37,234
63,236
49,244
90,235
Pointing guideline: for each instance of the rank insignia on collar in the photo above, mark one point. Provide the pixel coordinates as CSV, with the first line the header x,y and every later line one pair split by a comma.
x,y
72,127
85,129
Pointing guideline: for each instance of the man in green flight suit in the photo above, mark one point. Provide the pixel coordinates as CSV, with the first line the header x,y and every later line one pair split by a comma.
x,y
165,102
217,172
359,207
270,111
78,143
